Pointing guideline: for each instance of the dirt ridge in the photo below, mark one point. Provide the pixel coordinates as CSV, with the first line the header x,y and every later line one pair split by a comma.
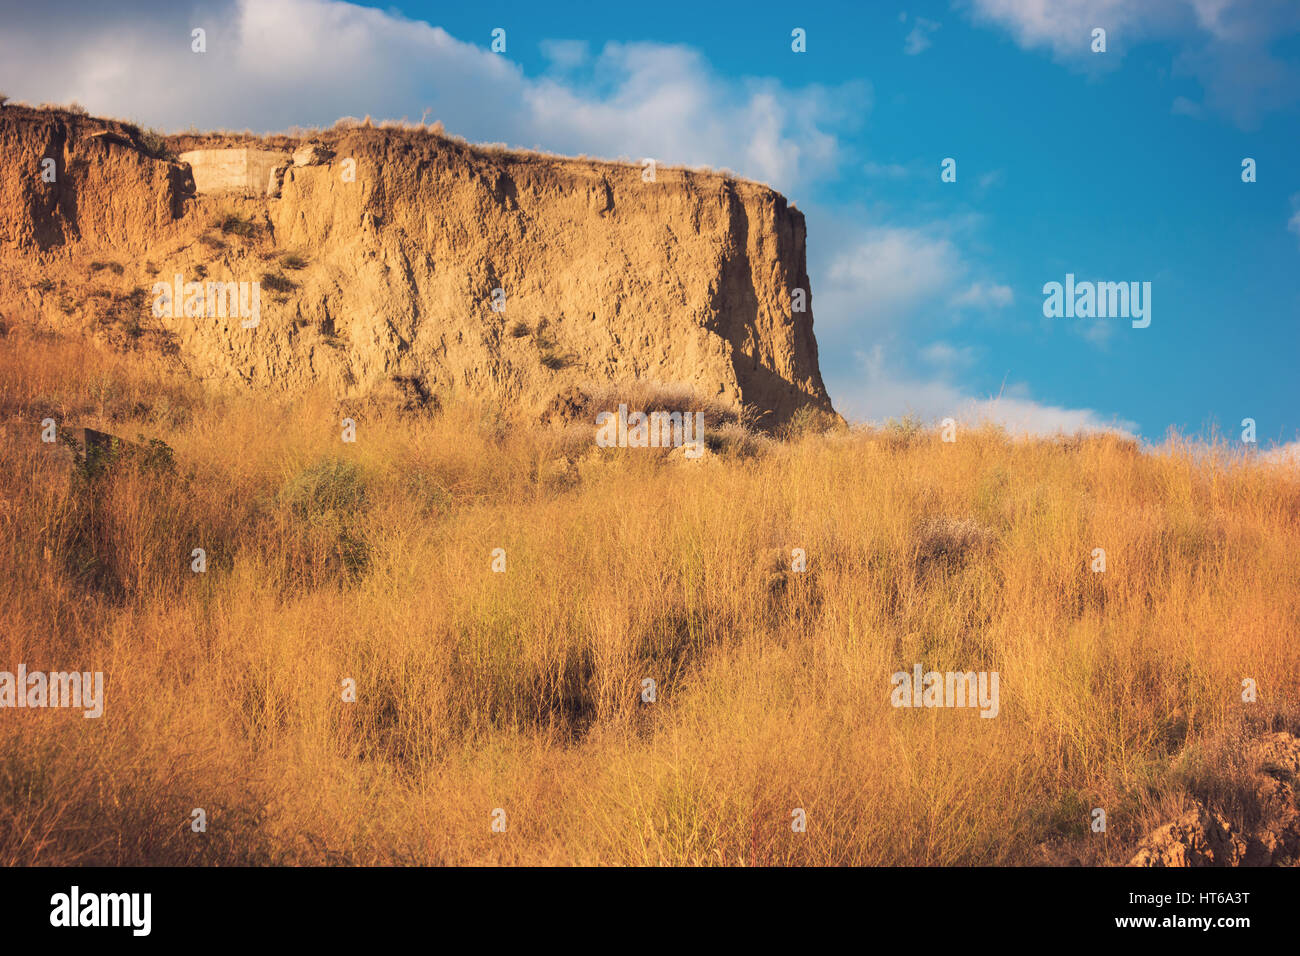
x,y
383,282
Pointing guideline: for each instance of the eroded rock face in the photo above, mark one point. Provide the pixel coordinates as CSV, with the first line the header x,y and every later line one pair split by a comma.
x,y
312,154
566,407
1200,837
1203,837
417,258
100,190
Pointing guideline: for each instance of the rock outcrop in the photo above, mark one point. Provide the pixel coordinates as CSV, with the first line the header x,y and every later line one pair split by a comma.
x,y
100,189
1200,837
1204,837
394,259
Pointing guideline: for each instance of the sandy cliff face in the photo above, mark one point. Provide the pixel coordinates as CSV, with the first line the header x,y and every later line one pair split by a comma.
x,y
106,190
378,262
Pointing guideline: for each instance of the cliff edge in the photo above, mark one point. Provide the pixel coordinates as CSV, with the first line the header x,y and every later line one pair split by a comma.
x,y
402,261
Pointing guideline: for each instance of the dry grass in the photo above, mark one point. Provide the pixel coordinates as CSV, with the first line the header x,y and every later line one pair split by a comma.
x,y
521,690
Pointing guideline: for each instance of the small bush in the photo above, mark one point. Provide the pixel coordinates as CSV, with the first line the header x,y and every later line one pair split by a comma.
x,y
733,440
670,397
548,349
276,282
328,485
554,360
98,458
810,420
238,225
542,338
156,456
519,329
900,433
329,498
941,540
155,144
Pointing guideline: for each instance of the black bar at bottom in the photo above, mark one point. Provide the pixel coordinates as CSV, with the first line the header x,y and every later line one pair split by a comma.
x,y
923,906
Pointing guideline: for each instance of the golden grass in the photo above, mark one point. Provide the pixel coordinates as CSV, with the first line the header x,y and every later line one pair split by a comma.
x,y
521,690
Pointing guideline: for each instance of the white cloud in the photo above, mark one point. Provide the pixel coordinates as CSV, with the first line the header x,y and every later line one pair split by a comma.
x,y
886,275
1065,25
1224,44
1288,454
664,102
945,355
984,295
1293,224
273,64
880,390
565,54
918,41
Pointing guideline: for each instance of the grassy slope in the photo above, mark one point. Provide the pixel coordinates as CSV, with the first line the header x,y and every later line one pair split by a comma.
x,y
520,690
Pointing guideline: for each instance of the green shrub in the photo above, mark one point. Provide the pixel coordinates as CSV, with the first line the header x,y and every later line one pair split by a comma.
x,y
329,498
328,485
155,144
98,458
900,433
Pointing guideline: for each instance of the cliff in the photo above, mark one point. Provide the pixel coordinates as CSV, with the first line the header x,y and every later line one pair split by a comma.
x,y
378,257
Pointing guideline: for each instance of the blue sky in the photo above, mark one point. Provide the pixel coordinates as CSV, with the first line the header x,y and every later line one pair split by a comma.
x,y
927,296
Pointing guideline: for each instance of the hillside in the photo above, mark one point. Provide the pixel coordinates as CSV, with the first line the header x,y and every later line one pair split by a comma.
x,y
518,686
382,285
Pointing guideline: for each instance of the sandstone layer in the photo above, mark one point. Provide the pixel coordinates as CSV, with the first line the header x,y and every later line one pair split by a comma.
x,y
379,254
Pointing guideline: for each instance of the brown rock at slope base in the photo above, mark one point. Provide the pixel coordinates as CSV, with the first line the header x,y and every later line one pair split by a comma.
x,y
398,255
1204,837
1200,837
